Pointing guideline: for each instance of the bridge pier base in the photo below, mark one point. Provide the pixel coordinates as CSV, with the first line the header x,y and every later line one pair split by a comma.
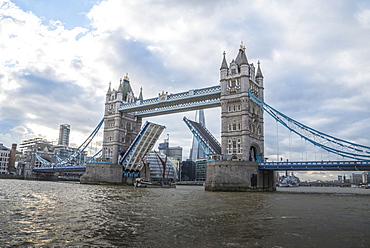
x,y
238,176
97,173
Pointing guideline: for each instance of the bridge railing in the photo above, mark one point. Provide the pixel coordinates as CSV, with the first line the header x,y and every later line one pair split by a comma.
x,y
171,97
316,165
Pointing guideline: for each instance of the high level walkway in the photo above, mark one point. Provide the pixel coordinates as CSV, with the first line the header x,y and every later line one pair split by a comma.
x,y
174,103
316,165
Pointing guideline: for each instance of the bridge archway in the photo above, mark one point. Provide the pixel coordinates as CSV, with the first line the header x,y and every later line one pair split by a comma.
x,y
254,153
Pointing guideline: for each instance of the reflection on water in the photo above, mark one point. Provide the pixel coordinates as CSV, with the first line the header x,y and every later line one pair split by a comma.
x,y
52,214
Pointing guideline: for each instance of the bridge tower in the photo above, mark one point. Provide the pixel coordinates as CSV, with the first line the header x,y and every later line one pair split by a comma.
x,y
242,135
120,129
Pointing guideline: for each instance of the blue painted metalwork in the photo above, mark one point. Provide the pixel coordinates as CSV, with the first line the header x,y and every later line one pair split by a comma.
x,y
329,143
317,165
93,157
69,168
141,146
207,141
77,152
174,103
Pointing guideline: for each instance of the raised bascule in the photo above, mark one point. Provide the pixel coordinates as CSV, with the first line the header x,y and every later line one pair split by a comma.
x,y
235,164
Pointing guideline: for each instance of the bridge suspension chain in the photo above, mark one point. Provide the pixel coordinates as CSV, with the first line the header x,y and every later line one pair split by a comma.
x,y
319,139
77,152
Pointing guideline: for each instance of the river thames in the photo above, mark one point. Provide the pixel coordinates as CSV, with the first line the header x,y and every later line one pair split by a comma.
x,y
66,214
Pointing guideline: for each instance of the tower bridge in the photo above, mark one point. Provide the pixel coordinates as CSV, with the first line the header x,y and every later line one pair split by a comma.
x,y
242,136
237,162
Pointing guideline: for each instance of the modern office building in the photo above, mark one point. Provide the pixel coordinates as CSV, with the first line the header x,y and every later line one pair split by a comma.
x,y
196,151
64,131
156,168
201,170
4,159
175,153
27,144
187,172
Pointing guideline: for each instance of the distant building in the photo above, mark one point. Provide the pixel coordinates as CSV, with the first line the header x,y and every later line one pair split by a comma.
x,y
201,170
187,172
26,144
156,168
356,178
40,146
365,177
4,159
64,131
14,156
175,153
196,152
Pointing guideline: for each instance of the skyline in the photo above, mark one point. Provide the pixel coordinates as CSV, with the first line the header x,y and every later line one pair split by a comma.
x,y
57,59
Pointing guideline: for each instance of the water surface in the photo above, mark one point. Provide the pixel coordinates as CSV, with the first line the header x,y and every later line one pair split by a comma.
x,y
63,214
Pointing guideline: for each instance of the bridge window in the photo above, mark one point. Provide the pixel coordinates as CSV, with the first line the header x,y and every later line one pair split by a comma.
x,y
233,71
239,146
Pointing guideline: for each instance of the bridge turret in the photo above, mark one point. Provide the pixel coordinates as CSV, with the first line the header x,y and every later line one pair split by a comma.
x,y
119,129
242,119
259,76
242,61
224,68
259,80
141,94
109,93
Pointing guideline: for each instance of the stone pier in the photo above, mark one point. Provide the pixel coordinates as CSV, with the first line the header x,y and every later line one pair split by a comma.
x,y
101,173
238,176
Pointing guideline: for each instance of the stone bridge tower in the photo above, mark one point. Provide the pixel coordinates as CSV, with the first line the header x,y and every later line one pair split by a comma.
x,y
242,135
120,129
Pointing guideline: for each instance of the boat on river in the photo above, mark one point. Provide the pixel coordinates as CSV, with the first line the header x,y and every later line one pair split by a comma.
x,y
158,172
143,183
288,181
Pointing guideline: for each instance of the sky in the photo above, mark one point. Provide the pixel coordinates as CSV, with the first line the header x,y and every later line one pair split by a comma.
x,y
58,57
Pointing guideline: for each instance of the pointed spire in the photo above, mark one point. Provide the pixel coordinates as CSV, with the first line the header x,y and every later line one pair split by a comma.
x,y
125,87
259,72
109,89
224,63
141,94
120,86
241,58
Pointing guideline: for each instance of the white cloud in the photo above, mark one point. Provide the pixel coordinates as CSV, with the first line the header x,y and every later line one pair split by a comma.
x,y
363,17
